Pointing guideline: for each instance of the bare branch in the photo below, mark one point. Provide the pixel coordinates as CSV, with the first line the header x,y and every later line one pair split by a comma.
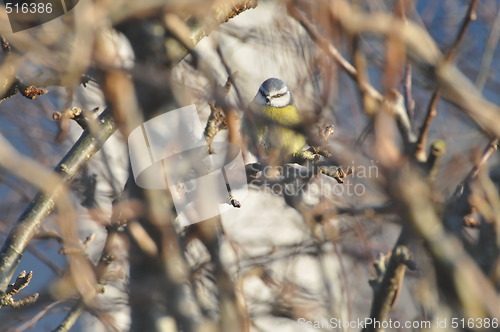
x,y
42,205
432,108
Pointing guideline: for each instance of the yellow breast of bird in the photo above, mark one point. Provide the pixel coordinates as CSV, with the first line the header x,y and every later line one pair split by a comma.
x,y
288,115
273,136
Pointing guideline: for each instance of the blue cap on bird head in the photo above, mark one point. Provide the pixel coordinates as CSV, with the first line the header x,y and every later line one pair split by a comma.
x,y
274,92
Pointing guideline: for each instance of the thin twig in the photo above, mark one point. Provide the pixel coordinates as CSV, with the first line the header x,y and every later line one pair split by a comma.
x,y
409,102
332,51
401,9
463,188
487,153
469,17
424,52
6,297
424,130
32,322
72,317
432,108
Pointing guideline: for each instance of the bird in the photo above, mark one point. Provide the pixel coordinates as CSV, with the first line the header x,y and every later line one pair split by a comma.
x,y
270,125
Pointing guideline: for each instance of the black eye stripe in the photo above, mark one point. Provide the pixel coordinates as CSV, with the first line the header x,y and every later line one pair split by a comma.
x,y
265,95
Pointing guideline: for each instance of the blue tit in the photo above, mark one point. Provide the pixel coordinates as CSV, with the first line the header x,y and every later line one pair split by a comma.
x,y
270,125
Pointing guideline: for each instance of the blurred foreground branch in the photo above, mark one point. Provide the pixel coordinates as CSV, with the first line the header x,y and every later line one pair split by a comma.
x,y
44,202
469,291
423,51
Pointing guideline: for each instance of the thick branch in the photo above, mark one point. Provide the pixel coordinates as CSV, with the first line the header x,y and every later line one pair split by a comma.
x,y
29,222
388,287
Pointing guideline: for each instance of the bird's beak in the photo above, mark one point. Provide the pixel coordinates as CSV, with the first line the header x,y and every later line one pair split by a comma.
x,y
268,99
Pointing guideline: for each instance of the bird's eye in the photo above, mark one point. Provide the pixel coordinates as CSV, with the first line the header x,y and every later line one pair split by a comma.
x,y
278,95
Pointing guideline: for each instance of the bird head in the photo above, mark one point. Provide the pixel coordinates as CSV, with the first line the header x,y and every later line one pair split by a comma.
x,y
273,92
